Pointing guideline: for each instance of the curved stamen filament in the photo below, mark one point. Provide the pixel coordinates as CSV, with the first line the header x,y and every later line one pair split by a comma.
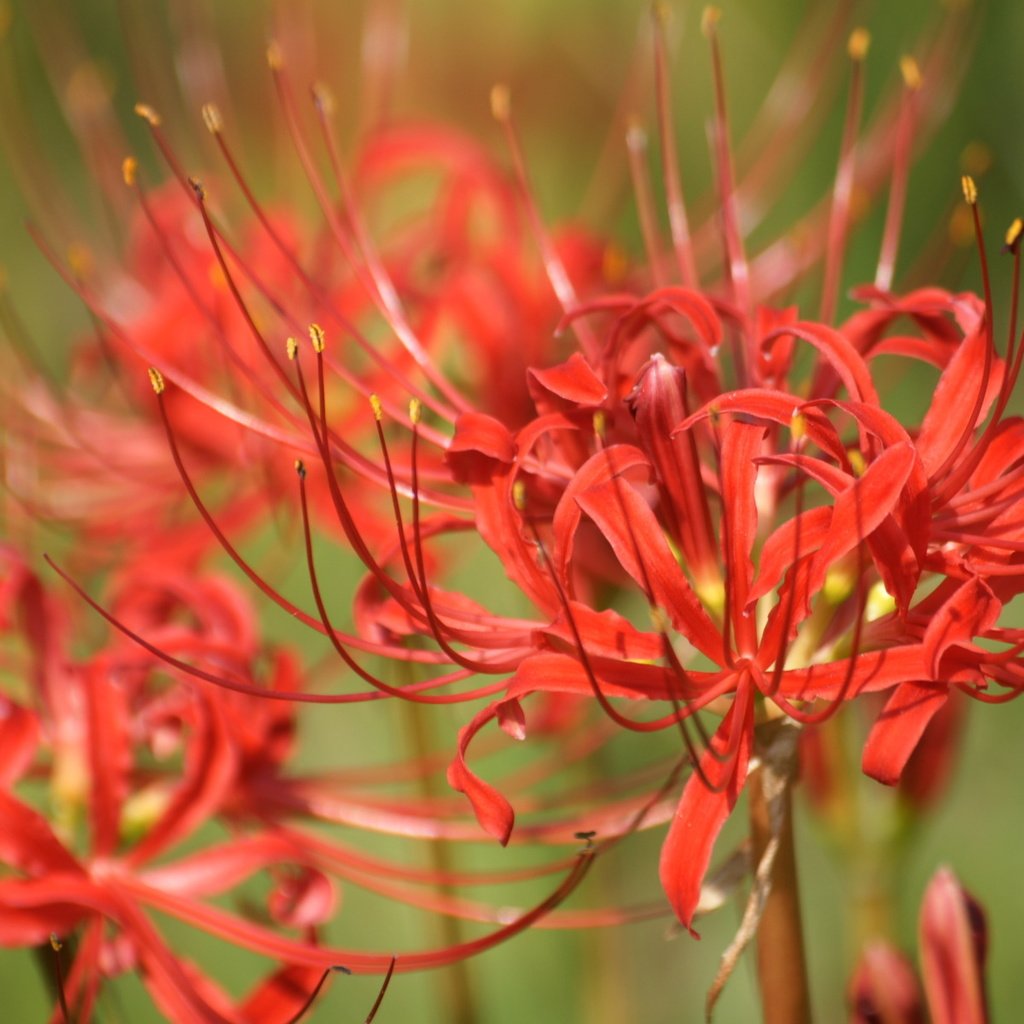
x,y
374,279
842,191
900,174
678,222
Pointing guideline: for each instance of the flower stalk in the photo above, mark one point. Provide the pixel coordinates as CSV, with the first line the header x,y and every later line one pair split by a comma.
x,y
781,959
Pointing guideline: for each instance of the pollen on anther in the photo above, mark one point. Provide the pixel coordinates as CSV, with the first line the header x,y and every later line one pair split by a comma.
x,y
300,468
275,58
55,944
970,189
129,169
859,44
378,409
709,19
147,113
415,411
291,346
600,422
1013,233
501,102
798,426
156,379
911,72
316,335
519,495
212,119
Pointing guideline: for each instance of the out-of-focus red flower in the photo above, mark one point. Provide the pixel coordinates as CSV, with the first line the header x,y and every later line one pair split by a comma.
x,y
137,762
697,491
953,941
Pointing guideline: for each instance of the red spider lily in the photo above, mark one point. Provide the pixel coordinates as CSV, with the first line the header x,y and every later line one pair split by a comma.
x,y
953,946
141,761
642,466
683,443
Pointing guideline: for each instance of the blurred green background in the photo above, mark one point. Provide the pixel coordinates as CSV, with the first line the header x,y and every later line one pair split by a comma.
x,y
568,64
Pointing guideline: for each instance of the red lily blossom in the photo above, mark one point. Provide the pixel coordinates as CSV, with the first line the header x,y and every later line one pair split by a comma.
x,y
755,521
138,761
697,492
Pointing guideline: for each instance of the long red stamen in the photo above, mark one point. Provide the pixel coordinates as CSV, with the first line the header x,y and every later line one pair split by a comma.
x,y
382,992
951,475
308,1004
214,123
679,226
561,285
900,173
636,146
385,650
374,279
842,191
737,270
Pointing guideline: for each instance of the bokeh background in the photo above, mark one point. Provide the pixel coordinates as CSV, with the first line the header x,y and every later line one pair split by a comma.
x,y
570,64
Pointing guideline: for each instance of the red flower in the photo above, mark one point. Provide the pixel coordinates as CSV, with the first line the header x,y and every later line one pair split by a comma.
x,y
953,941
699,492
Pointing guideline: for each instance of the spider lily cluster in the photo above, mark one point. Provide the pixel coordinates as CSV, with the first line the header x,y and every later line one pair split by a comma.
x,y
714,526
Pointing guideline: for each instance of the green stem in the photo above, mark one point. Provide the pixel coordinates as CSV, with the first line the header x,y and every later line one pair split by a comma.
x,y
455,983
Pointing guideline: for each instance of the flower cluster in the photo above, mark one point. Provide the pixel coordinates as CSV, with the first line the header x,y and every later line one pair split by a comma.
x,y
711,523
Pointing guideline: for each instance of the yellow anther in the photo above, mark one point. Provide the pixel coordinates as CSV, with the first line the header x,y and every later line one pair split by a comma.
x,y
519,495
316,335
1013,233
323,98
55,944
275,56
291,346
501,102
148,114
798,426
378,409
415,411
80,259
660,620
857,463
156,379
212,119
859,44
709,19
970,189
300,468
614,264
129,169
911,73
600,422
